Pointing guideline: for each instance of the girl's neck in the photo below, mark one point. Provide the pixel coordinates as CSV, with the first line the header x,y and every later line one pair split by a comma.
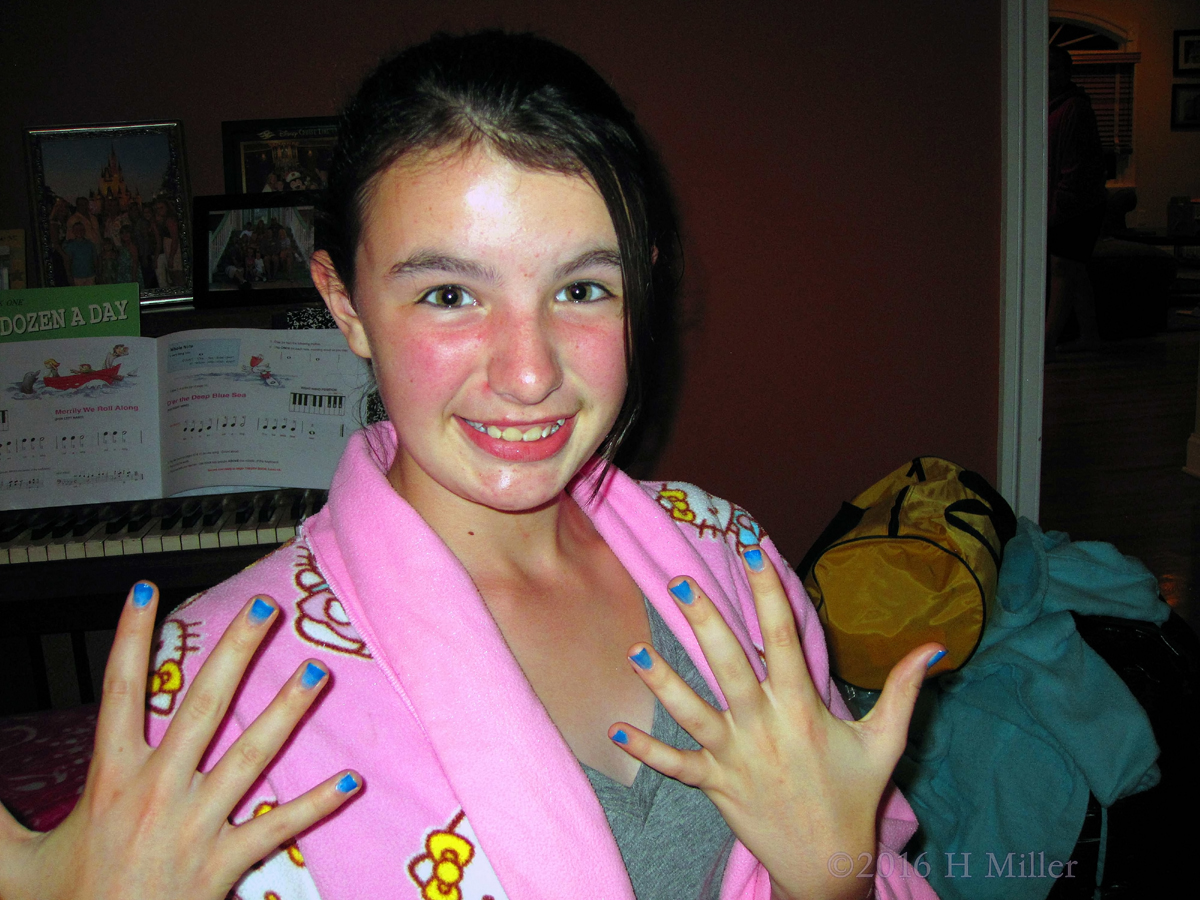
x,y
493,543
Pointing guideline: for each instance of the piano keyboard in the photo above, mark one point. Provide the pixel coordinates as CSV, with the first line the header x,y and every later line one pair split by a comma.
x,y
158,526
320,404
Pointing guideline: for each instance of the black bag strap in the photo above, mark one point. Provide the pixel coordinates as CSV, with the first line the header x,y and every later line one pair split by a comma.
x,y
1004,520
844,522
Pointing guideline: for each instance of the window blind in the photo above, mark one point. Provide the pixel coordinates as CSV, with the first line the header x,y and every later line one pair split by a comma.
x,y
1109,83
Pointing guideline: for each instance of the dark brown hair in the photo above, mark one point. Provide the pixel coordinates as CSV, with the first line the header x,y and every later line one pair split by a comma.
x,y
542,107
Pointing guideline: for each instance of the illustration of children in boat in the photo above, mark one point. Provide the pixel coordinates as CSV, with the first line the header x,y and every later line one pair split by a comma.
x,y
84,373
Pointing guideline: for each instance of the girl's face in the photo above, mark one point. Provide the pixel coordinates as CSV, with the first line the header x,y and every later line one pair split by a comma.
x,y
489,299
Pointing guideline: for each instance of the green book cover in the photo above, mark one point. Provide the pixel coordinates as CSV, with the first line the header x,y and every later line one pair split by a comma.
x,y
100,310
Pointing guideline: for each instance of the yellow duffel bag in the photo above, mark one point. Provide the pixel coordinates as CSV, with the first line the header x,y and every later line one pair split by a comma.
x,y
913,559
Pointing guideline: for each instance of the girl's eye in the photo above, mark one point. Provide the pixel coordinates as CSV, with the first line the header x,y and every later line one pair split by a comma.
x,y
448,296
583,292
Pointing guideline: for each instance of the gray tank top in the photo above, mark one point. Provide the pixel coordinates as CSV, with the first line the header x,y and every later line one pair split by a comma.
x,y
672,838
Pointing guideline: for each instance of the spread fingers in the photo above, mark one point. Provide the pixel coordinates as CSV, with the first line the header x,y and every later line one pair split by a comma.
x,y
692,712
721,649
787,672
207,700
242,763
263,834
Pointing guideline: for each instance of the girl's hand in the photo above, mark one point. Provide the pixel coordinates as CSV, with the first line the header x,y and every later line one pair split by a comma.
x,y
148,824
796,784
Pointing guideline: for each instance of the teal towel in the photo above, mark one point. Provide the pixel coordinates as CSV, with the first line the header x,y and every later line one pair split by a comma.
x,y
1002,754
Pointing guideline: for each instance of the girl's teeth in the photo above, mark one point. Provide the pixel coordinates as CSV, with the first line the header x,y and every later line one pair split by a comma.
x,y
514,434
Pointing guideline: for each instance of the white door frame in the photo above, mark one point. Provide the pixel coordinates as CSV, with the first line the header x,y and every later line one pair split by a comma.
x,y
1023,237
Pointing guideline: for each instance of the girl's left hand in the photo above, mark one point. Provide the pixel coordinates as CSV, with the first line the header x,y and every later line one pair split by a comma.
x,y
796,784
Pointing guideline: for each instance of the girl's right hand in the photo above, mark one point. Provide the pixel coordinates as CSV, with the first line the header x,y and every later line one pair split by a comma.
x,y
148,823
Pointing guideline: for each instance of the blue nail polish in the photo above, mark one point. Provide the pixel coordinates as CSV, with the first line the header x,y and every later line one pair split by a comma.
x,y
683,592
754,559
933,659
346,784
619,737
642,658
312,676
260,611
143,593
747,537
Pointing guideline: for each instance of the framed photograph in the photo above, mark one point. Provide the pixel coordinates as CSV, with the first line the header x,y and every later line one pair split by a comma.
x,y
1185,107
12,262
254,249
276,155
111,205
1187,53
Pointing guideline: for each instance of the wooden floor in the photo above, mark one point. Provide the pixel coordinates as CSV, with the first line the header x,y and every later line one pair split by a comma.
x,y
1114,436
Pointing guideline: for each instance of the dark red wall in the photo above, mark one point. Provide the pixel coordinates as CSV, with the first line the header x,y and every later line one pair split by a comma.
x,y
837,165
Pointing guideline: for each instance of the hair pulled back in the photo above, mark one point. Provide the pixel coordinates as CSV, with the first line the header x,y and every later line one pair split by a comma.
x,y
541,107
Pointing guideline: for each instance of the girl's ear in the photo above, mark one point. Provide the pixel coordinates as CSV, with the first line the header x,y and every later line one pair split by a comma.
x,y
337,301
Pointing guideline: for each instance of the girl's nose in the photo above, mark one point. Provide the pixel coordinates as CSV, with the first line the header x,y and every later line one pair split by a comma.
x,y
524,365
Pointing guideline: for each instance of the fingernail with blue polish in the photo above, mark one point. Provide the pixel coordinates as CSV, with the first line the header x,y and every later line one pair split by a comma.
x,y
683,592
620,737
346,784
642,658
143,593
312,676
260,611
754,559
934,659
747,537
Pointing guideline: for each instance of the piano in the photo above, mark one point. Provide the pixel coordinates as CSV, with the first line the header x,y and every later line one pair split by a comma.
x,y
67,570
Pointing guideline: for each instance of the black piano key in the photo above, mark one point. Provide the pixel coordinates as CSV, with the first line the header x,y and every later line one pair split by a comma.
x,y
168,512
212,512
139,516
267,511
43,524
118,523
88,519
245,509
192,510
64,523
11,527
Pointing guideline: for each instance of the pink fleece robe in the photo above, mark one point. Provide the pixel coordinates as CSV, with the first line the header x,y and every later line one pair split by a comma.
x,y
471,791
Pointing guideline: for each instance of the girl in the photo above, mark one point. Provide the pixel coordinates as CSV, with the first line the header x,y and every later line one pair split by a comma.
x,y
557,682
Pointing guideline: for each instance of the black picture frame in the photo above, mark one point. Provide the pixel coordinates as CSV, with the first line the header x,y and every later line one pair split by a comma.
x,y
119,169
251,148
227,227
1186,61
1185,107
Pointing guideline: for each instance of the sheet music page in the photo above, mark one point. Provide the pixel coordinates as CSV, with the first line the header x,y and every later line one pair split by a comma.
x,y
246,408
79,422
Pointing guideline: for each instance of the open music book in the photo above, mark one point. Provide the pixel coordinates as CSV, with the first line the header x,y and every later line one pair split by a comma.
x,y
93,420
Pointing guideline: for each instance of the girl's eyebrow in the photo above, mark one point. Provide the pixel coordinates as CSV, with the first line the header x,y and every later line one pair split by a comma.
x,y
424,261
599,256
